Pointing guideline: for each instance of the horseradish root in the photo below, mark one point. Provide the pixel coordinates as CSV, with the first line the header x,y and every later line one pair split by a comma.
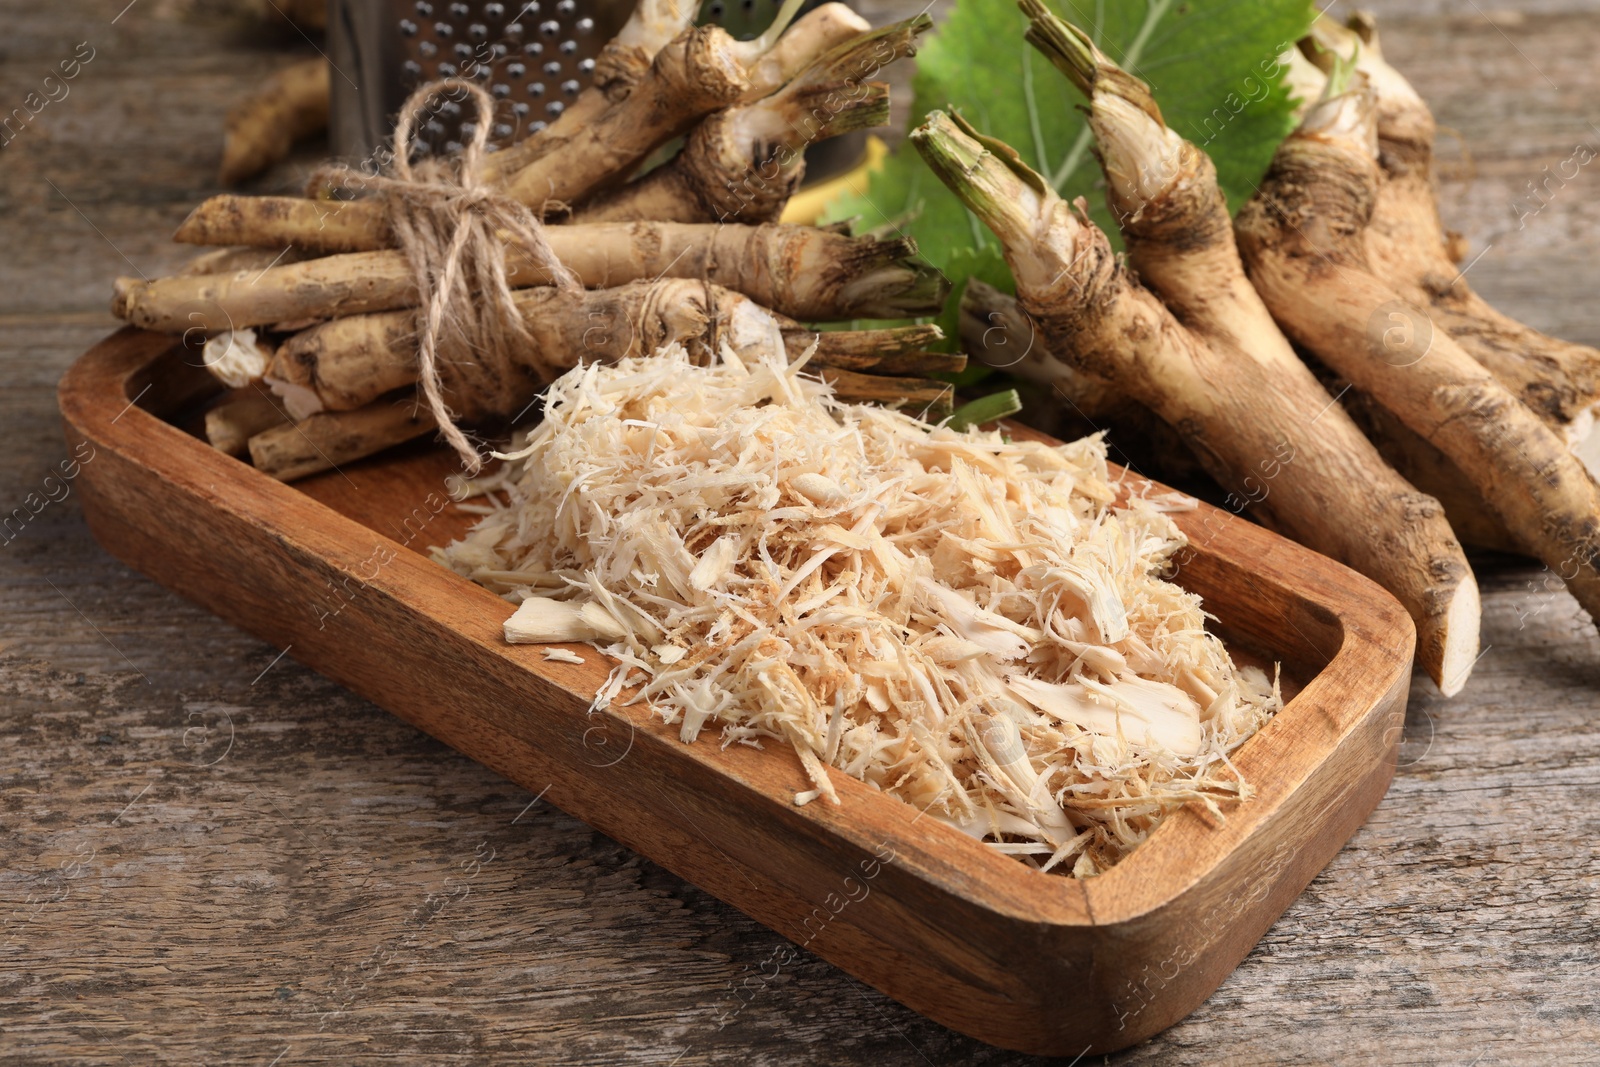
x,y
233,421
323,441
1303,238
800,271
961,621
626,59
621,65
696,73
289,106
319,226
350,362
1252,413
743,163
1163,191
1408,248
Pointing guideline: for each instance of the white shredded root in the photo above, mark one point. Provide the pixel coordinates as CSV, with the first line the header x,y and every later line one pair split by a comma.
x,y
962,621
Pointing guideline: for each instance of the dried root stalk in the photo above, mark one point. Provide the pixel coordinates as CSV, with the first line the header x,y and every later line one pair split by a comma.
x,y
289,106
626,59
237,418
621,65
800,271
350,362
959,620
324,441
1062,400
1303,239
696,73
1250,410
318,226
745,162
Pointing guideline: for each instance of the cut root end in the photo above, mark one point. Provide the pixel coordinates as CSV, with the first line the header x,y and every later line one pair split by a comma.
x,y
1457,639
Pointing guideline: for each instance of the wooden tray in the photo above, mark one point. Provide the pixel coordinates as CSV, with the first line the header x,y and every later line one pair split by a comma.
x,y
976,940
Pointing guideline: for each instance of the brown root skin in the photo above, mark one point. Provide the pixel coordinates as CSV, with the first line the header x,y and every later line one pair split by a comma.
x,y
231,260
622,64
813,34
930,400
626,59
350,362
277,222
692,76
1409,248
1163,191
743,164
1063,401
803,272
324,441
1425,467
1267,433
289,106
1304,243
239,417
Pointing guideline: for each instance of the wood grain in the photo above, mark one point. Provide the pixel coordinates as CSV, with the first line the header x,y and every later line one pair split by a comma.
x,y
225,908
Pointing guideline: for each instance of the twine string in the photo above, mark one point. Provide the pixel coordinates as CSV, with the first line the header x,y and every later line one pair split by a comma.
x,y
455,232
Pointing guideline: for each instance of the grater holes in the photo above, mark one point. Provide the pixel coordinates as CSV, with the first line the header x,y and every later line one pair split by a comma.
x,y
503,47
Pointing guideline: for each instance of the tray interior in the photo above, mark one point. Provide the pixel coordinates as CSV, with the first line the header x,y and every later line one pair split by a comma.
x,y
383,494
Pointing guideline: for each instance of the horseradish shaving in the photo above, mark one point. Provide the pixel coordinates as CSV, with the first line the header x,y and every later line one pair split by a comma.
x,y
965,622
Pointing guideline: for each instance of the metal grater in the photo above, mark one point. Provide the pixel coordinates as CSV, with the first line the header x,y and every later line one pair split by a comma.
x,y
534,57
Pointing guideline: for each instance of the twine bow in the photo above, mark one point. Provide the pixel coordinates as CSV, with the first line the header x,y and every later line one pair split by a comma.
x,y
455,231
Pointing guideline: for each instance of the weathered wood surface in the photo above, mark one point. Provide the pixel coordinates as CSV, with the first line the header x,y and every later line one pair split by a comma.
x,y
205,851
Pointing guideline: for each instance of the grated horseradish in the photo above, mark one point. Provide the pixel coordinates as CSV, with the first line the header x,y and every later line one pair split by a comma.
x,y
965,622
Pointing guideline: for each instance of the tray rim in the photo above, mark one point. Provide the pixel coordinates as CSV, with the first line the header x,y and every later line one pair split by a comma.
x,y
97,400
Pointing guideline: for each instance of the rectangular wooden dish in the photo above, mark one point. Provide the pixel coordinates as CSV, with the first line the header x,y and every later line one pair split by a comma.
x,y
335,567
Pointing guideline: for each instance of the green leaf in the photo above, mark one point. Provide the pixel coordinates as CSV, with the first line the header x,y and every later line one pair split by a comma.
x,y
1000,405
1205,60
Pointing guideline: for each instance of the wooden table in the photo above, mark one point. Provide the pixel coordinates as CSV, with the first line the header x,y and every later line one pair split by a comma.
x,y
209,854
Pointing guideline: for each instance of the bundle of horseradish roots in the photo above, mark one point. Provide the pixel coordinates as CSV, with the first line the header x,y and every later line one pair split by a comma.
x,y
1320,355
402,298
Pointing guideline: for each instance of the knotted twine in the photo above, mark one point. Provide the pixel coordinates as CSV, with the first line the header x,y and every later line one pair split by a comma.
x,y
455,232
